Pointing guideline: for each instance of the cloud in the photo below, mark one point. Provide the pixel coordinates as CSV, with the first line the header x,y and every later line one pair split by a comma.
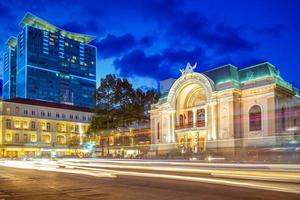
x,y
158,66
182,56
146,41
76,27
138,63
197,29
114,46
275,31
229,40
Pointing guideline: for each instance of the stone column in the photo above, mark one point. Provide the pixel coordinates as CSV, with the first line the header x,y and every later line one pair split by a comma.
x,y
211,121
173,126
194,117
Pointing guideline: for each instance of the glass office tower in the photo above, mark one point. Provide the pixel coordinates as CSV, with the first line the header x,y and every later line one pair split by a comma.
x,y
9,69
54,65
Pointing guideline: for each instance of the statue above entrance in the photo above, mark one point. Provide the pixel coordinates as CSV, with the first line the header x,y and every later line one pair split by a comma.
x,y
188,69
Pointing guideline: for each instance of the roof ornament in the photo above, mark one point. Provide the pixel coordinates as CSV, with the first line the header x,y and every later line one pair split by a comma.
x,y
188,69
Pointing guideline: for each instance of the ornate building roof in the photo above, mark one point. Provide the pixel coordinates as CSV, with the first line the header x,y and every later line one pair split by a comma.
x,y
229,76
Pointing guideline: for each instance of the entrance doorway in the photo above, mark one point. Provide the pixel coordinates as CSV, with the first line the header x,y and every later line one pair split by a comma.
x,y
192,141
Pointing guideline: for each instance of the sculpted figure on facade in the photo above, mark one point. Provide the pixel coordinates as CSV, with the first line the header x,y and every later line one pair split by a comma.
x,y
188,69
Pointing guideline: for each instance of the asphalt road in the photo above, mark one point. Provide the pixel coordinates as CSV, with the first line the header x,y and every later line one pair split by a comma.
x,y
34,184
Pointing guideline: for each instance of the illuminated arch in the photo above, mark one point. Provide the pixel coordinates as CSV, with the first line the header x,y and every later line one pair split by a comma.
x,y
190,80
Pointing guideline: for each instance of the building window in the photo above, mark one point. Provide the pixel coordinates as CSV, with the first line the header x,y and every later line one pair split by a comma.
x,y
61,139
17,124
33,138
63,116
43,126
17,110
46,139
33,112
181,121
201,118
25,112
17,138
8,137
158,131
57,115
8,110
32,125
72,128
255,118
83,118
8,123
48,126
71,116
25,124
76,117
25,138
49,114
76,128
43,114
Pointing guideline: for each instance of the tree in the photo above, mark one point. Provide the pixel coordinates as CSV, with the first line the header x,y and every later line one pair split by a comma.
x,y
119,104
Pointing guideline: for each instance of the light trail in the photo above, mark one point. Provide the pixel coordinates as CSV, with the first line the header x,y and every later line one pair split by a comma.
x,y
54,167
271,176
184,163
273,181
235,183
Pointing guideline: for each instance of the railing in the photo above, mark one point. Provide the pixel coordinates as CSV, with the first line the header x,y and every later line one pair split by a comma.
x,y
200,124
21,129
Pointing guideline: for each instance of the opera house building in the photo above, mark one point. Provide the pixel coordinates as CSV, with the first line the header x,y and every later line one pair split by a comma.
x,y
225,108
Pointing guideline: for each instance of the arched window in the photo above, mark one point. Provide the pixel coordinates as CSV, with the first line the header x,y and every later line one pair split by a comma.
x,y
46,139
60,139
181,120
255,118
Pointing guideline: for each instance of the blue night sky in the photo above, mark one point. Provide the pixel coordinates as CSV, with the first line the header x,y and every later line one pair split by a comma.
x,y
147,41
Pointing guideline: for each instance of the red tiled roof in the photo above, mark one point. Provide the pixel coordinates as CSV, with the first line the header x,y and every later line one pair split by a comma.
x,y
48,104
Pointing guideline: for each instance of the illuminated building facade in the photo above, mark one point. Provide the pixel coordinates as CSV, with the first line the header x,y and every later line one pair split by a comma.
x,y
53,64
127,142
225,108
32,128
9,69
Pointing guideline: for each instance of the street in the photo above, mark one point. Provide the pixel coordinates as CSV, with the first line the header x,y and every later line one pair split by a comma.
x,y
112,179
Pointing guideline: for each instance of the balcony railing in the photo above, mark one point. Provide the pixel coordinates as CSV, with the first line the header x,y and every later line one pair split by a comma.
x,y
21,129
199,124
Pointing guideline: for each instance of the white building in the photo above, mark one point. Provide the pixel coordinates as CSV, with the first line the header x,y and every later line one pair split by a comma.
x,y
225,108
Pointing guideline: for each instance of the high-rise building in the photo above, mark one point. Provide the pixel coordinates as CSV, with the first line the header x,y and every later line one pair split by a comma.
x,y
9,69
53,64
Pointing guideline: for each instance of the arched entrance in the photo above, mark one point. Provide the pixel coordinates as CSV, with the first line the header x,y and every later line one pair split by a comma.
x,y
190,97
